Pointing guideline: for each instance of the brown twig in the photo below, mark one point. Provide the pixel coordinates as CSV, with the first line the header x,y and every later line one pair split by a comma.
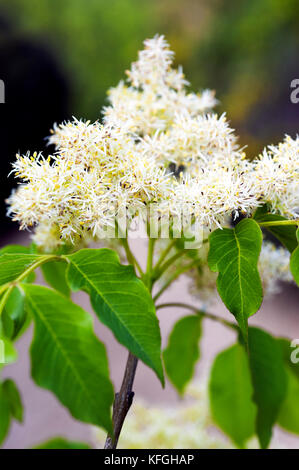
x,y
123,401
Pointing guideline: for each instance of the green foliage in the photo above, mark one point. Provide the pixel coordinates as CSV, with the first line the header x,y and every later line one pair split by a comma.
x,y
269,381
289,413
55,275
10,406
62,443
14,399
251,394
286,234
234,254
90,41
14,313
20,249
294,262
13,265
67,358
4,415
10,352
230,392
120,300
248,394
182,351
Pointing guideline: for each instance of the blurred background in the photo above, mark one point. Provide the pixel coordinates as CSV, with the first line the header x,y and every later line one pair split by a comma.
x,y
57,60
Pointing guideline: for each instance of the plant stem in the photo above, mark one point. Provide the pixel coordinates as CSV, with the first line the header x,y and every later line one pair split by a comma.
x,y
130,257
165,252
124,398
279,222
168,263
150,254
175,275
123,401
198,312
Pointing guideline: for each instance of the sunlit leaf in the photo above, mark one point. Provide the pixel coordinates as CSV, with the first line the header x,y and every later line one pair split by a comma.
x,y
289,413
120,300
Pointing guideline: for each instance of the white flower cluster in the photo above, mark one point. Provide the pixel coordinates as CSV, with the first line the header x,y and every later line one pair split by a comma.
x,y
77,192
159,145
178,427
273,268
187,425
276,174
156,93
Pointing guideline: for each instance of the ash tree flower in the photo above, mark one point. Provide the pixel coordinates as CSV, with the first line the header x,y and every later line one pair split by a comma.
x,y
163,157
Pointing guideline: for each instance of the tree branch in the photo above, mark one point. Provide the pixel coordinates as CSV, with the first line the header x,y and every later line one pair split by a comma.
x,y
123,401
198,311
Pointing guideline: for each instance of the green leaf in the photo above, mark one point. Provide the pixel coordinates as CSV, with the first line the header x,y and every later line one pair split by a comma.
x,y
120,300
15,249
55,275
290,354
62,443
286,234
67,358
269,381
10,353
14,313
289,412
14,399
182,351
230,392
294,262
4,415
234,254
12,265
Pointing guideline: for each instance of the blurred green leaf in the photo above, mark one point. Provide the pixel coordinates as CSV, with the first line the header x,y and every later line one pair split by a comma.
x,y
230,392
19,249
14,313
4,415
289,412
269,381
10,353
294,262
182,351
120,300
14,399
67,358
62,443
